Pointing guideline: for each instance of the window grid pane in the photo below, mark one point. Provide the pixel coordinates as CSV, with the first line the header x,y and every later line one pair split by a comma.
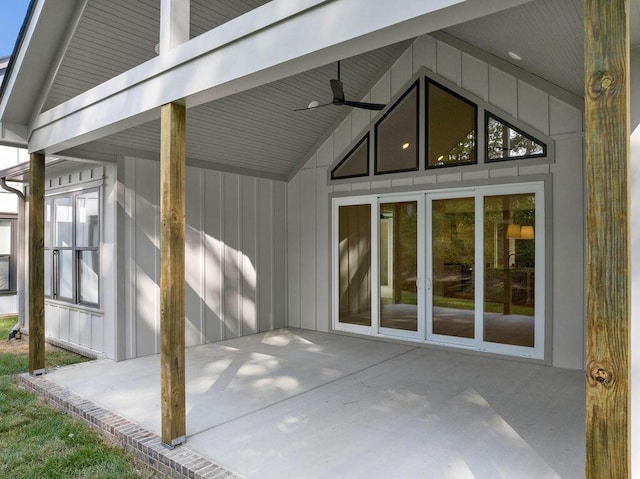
x,y
87,220
5,284
63,227
6,236
88,276
47,272
65,274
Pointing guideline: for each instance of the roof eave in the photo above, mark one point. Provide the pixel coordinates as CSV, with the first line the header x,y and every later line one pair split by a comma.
x,y
40,38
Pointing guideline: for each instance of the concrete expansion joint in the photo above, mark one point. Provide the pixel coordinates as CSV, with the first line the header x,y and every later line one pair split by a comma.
x,y
179,463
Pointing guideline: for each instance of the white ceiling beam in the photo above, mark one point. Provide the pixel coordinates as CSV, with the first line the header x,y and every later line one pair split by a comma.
x,y
175,22
13,135
277,40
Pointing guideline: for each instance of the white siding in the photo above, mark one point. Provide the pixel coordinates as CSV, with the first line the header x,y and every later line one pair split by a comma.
x,y
308,216
10,156
235,255
91,329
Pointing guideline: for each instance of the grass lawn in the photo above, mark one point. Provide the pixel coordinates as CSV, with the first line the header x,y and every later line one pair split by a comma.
x,y
37,441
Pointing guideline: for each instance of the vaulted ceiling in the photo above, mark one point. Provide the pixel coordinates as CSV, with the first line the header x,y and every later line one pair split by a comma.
x,y
257,129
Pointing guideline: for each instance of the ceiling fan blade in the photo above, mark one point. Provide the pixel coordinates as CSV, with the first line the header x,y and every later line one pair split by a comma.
x,y
338,91
363,105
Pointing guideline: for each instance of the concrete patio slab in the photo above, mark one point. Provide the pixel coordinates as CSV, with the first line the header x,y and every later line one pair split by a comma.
x,y
302,404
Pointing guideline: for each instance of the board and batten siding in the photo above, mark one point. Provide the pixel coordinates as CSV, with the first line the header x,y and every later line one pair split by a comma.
x,y
235,256
87,329
308,220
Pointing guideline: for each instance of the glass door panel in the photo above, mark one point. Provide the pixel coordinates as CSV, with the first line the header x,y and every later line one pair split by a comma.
x,y
509,274
398,227
452,261
354,264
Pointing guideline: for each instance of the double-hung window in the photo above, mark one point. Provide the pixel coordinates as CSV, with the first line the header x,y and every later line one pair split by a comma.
x,y
72,247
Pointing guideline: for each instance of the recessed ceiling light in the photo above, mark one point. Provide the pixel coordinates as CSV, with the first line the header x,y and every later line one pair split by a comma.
x,y
405,146
515,56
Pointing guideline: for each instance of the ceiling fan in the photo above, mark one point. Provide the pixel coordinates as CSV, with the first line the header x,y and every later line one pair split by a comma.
x,y
338,98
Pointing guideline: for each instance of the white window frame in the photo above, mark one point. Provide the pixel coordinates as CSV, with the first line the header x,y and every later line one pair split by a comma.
x,y
425,278
74,248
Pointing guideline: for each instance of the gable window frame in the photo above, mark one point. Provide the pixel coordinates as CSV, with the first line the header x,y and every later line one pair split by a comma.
x,y
349,156
487,159
475,161
481,111
376,171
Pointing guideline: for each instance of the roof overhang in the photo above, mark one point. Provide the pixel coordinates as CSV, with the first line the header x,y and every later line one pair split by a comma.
x,y
274,36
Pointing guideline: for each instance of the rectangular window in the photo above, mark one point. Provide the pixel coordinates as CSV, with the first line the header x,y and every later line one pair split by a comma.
x,y
72,242
7,254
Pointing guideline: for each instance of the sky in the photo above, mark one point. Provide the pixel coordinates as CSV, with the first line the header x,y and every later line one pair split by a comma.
x,y
12,14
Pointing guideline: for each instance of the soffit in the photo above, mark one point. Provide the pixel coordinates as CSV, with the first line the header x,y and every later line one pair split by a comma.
x,y
258,130
547,34
114,36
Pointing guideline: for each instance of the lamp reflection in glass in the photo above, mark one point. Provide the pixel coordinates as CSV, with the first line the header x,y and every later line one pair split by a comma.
x,y
526,232
513,231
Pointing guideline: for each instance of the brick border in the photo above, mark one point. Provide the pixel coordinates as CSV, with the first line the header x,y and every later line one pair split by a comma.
x,y
178,463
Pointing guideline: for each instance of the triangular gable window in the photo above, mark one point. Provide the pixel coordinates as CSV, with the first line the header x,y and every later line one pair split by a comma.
x,y
397,136
355,163
506,142
451,128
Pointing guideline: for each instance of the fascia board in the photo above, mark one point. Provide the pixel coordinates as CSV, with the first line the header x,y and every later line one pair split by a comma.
x,y
270,43
31,64
10,80
13,135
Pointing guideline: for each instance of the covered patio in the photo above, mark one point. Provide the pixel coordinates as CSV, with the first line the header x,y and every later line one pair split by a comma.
x,y
217,219
297,403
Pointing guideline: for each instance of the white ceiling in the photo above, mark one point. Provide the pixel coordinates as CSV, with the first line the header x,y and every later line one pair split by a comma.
x,y
258,130
547,34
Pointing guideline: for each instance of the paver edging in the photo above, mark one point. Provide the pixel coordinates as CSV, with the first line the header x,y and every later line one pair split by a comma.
x,y
125,433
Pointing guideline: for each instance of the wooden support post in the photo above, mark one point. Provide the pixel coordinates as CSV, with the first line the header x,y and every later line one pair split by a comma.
x,y
172,267
607,156
36,264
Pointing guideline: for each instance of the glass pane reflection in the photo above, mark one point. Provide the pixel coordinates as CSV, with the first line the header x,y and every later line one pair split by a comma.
x,y
509,257
354,264
453,256
399,265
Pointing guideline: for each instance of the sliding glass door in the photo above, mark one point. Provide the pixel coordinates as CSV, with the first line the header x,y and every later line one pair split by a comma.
x,y
510,269
399,274
463,268
452,244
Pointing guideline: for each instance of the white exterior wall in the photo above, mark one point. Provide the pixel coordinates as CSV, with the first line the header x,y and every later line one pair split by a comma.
x,y
308,226
235,256
90,328
10,156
